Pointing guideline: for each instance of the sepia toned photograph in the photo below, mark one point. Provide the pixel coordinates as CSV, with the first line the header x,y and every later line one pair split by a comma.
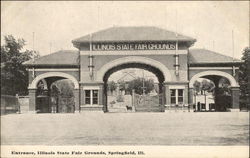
x,y
91,76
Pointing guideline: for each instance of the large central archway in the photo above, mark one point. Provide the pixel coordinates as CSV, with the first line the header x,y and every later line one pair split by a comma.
x,y
155,67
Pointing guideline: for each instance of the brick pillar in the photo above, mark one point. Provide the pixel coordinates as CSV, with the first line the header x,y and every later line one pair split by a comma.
x,y
77,100
32,100
104,99
191,96
101,95
163,99
186,92
235,91
167,94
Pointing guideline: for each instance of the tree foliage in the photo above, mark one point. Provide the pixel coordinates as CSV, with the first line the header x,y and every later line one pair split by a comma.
x,y
207,85
122,86
244,78
112,86
65,87
204,85
14,76
197,86
137,85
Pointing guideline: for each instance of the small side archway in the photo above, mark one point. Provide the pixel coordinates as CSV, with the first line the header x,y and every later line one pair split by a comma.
x,y
43,102
231,79
34,83
215,76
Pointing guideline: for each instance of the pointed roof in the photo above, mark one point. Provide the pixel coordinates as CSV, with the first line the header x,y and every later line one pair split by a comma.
x,y
204,56
59,58
129,33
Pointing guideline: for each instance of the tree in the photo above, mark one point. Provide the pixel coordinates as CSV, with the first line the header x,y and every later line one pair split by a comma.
x,y
207,85
197,86
14,76
66,88
225,87
122,86
244,79
137,85
204,85
112,86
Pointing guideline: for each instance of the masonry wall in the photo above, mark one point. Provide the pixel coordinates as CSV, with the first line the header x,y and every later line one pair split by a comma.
x,y
167,59
74,73
193,72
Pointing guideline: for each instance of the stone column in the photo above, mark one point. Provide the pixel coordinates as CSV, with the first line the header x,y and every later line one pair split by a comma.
x,y
163,99
186,92
235,92
167,94
104,99
191,96
77,100
101,95
32,100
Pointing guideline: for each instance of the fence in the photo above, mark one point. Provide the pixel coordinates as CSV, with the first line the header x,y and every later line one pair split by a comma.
x,y
14,104
24,103
9,104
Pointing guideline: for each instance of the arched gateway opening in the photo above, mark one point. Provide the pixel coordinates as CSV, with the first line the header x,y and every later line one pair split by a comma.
x,y
54,93
161,71
132,101
219,97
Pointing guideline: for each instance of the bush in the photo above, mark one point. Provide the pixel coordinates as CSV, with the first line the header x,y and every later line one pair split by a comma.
x,y
120,98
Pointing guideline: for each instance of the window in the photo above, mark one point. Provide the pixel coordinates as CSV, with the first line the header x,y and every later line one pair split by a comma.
x,y
176,96
87,96
95,96
91,97
180,96
173,96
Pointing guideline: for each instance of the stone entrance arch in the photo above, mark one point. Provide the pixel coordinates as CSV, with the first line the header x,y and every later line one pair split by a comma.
x,y
54,76
160,70
102,53
215,76
158,74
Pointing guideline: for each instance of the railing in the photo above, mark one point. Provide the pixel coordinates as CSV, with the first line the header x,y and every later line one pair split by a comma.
x,y
9,104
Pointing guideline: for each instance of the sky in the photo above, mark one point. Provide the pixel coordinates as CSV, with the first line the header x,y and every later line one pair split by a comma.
x,y
56,24
135,72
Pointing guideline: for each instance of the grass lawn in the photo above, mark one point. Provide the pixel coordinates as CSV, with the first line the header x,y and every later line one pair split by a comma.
x,y
96,128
